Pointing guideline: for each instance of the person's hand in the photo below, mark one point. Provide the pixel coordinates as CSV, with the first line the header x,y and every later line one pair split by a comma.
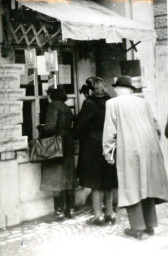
x,y
109,160
112,162
40,126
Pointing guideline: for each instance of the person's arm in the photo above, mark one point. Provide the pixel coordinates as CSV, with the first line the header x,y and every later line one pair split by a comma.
x,y
109,132
156,123
85,115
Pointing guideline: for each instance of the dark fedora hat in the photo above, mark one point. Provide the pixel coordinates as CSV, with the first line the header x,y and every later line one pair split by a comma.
x,y
124,81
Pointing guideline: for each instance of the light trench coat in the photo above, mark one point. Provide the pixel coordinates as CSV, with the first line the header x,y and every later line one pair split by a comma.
x,y
140,165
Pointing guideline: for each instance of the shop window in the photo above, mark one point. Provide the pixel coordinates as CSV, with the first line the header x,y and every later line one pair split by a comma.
x,y
35,102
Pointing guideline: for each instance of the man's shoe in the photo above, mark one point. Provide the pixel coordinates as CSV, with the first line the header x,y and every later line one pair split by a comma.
x,y
134,233
150,231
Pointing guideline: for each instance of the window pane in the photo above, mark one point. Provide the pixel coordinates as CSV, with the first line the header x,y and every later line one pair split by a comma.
x,y
43,109
27,119
67,59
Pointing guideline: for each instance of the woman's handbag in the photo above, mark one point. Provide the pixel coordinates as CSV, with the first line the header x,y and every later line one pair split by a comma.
x,y
46,149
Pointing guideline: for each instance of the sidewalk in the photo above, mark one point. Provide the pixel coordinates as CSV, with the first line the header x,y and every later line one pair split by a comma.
x,y
48,237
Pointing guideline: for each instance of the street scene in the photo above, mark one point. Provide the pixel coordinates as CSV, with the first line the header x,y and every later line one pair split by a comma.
x,y
83,127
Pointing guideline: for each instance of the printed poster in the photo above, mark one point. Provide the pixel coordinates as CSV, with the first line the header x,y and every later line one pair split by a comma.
x,y
12,68
30,58
11,106
12,94
11,118
9,81
41,66
10,131
11,144
51,60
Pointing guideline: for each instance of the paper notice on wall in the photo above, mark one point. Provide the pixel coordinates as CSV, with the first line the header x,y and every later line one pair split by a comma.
x,y
10,131
44,88
11,106
12,68
51,60
9,81
11,118
44,78
12,94
11,144
31,78
41,66
51,81
30,58
64,74
24,77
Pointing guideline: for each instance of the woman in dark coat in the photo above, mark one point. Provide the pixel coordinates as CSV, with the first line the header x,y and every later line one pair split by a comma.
x,y
58,174
93,171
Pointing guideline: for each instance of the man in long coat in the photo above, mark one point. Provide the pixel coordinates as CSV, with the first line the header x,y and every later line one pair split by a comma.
x,y
142,178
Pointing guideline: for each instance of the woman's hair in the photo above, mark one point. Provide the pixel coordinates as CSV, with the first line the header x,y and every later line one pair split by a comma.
x,y
57,94
84,89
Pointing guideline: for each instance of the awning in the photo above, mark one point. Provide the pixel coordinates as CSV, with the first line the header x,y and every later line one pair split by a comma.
x,y
86,20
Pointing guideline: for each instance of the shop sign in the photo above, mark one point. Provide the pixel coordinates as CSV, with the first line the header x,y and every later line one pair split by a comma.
x,y
12,94
11,144
10,131
9,81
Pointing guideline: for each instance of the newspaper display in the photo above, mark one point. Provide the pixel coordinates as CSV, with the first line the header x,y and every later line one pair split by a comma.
x,y
11,106
9,81
12,144
10,131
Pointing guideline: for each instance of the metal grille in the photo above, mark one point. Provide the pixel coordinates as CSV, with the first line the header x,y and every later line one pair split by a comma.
x,y
31,35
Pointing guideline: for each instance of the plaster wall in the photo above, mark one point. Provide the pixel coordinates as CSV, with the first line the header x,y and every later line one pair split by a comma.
x,y
85,69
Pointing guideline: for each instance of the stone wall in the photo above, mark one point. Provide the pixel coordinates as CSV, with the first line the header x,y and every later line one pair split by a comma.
x,y
160,21
161,54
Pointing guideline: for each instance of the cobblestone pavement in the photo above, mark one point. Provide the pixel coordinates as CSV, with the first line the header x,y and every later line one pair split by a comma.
x,y
49,236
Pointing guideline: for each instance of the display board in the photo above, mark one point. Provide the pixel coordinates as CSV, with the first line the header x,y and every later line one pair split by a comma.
x,y
11,105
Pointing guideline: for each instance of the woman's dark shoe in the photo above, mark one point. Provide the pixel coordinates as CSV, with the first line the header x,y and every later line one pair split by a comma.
x,y
68,214
110,220
150,231
96,221
134,233
115,208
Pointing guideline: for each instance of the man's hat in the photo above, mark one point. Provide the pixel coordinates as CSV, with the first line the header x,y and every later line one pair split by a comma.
x,y
124,81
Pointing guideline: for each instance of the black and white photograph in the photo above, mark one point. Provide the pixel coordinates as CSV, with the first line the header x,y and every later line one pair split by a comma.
x,y
83,127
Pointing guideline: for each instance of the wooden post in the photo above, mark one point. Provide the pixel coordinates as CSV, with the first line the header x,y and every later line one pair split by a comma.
x,y
35,106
